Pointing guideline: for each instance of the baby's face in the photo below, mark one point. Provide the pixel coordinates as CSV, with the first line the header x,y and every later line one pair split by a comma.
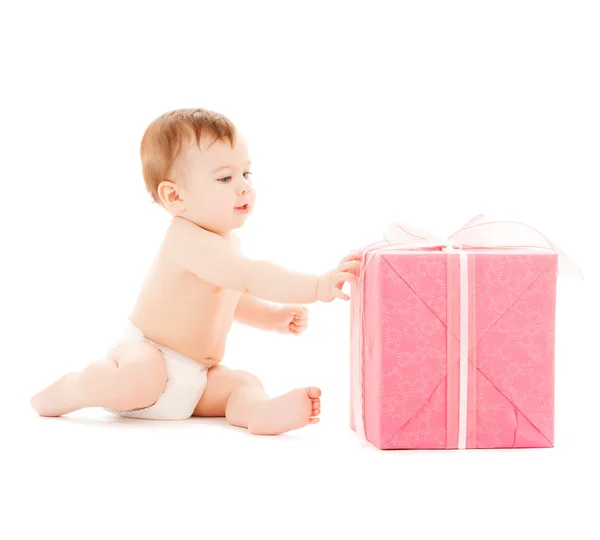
x,y
215,184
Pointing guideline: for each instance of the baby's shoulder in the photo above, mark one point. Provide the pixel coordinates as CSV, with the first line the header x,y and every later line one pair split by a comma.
x,y
183,234
200,251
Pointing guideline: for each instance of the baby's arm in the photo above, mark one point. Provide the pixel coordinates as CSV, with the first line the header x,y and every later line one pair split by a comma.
x,y
215,260
254,312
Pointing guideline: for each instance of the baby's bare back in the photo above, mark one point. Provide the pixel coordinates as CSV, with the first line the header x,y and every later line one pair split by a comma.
x,y
181,311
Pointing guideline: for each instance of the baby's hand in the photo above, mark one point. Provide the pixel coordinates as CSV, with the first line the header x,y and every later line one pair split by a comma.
x,y
290,319
330,284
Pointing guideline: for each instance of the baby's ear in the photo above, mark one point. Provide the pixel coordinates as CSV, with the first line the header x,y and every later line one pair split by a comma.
x,y
174,196
168,192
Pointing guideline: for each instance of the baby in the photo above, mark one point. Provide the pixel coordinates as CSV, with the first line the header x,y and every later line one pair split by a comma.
x,y
166,365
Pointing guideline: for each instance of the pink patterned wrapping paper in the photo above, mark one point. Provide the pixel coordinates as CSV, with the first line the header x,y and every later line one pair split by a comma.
x,y
405,350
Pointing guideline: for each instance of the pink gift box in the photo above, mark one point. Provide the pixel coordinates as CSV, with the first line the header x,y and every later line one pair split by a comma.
x,y
453,348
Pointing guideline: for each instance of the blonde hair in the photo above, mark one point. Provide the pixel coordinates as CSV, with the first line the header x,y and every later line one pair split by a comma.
x,y
165,136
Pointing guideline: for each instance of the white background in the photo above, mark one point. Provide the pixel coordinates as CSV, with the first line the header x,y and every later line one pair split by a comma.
x,y
356,114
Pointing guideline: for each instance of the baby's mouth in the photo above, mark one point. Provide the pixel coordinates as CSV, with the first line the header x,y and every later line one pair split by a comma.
x,y
243,208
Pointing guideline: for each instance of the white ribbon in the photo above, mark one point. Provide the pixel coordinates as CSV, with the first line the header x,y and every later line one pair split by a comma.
x,y
464,350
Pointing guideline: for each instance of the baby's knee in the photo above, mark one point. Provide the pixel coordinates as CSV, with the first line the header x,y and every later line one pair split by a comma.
x,y
136,373
246,378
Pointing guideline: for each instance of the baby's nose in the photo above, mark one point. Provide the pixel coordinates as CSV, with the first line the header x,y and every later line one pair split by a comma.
x,y
245,187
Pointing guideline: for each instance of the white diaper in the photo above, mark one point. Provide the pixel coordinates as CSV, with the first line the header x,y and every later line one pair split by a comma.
x,y
186,381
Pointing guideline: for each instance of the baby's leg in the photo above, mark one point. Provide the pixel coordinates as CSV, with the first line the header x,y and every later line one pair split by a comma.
x,y
132,376
241,398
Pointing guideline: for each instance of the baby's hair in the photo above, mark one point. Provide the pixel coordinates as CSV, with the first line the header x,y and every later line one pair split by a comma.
x,y
164,137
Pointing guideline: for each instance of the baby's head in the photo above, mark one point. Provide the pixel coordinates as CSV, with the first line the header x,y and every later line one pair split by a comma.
x,y
196,165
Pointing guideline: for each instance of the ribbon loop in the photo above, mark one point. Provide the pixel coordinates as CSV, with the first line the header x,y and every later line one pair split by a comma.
x,y
479,233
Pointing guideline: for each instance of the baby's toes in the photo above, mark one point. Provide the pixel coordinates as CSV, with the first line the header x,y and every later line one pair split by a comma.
x,y
316,407
313,392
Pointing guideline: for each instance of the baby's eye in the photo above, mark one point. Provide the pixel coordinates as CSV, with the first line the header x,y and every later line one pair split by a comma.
x,y
227,179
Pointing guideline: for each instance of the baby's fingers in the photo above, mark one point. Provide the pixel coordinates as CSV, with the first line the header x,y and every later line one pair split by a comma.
x,y
353,265
353,256
299,322
346,276
339,294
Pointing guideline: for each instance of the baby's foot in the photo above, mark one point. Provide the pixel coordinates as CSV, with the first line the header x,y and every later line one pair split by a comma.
x,y
57,399
290,411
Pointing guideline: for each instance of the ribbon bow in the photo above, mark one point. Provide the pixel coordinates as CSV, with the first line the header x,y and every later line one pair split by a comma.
x,y
479,233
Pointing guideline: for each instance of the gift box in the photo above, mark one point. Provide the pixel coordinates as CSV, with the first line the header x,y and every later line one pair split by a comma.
x,y
452,342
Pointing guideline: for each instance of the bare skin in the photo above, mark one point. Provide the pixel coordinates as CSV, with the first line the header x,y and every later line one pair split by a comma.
x,y
198,285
